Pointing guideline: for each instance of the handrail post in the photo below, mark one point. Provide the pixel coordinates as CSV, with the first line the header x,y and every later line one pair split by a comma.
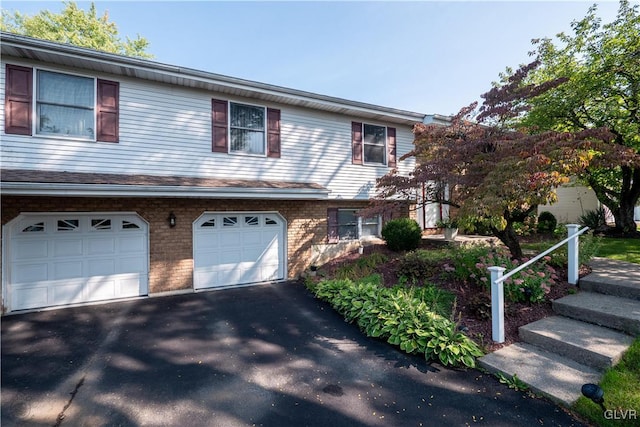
x,y
572,254
497,304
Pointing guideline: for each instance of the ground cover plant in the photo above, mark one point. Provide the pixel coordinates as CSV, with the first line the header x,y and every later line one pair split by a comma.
x,y
412,318
621,393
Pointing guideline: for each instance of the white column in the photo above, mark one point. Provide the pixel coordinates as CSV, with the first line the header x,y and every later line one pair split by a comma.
x,y
497,304
572,254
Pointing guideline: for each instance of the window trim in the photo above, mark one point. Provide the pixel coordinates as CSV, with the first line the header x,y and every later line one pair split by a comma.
x,y
358,144
384,148
36,116
265,130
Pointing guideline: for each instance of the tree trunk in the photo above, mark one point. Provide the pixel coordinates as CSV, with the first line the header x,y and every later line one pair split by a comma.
x,y
509,237
623,203
623,216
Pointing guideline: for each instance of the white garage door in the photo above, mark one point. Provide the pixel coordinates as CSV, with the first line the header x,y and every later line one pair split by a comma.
x,y
58,259
238,248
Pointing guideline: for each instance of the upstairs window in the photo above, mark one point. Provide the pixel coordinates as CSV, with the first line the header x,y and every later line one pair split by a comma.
x,y
244,129
375,138
65,105
373,144
247,129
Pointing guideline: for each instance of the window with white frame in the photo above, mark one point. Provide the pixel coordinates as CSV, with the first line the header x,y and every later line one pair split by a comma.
x,y
247,128
374,143
65,105
351,226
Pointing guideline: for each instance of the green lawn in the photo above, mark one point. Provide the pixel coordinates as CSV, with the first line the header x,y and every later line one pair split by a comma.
x,y
608,247
621,393
620,249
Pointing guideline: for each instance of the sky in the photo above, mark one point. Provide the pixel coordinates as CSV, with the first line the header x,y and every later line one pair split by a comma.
x,y
427,57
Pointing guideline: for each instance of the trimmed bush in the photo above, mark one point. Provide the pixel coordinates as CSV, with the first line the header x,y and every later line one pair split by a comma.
x,y
546,222
402,234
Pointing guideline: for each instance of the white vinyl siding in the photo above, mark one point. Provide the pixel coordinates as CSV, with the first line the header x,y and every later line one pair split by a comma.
x,y
166,130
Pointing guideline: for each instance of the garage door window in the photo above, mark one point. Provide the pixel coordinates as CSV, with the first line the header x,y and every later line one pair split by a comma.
x,y
34,228
126,225
270,221
100,224
229,221
252,221
209,224
68,224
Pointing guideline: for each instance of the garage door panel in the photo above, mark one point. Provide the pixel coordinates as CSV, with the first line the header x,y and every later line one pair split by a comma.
x,y
133,265
67,292
209,241
99,246
131,244
252,238
205,259
229,257
129,285
30,250
101,267
76,258
99,288
67,270
30,296
65,248
27,273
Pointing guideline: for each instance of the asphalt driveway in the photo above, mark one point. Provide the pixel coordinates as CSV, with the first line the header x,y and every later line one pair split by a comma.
x,y
268,355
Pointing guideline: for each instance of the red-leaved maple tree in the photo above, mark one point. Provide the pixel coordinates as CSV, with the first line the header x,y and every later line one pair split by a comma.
x,y
488,170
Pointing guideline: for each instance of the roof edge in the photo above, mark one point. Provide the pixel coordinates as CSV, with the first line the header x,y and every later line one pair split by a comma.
x,y
21,42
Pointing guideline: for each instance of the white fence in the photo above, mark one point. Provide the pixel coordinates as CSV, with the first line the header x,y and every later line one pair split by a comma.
x,y
498,277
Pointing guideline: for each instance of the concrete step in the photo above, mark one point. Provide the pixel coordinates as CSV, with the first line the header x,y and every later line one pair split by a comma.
x,y
588,344
551,375
613,312
613,277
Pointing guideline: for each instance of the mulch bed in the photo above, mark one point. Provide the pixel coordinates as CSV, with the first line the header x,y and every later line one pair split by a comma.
x,y
472,309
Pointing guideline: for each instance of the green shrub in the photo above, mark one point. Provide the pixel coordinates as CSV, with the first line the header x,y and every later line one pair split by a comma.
x,y
402,316
470,265
402,234
595,220
418,265
547,222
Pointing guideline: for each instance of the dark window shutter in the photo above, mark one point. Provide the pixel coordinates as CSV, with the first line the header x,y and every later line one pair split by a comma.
x,y
356,143
108,111
219,113
18,99
391,147
273,133
332,225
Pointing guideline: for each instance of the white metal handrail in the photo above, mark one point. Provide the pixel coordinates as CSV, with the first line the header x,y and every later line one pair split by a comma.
x,y
498,278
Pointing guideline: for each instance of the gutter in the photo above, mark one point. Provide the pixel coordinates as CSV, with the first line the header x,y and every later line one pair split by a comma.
x,y
120,190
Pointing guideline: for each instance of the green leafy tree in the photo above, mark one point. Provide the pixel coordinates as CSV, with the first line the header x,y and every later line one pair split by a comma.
x,y
77,27
600,68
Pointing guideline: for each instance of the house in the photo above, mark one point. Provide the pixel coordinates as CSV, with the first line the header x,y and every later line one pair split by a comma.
x,y
573,201
124,177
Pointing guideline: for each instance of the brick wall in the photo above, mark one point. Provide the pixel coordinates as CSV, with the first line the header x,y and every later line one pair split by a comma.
x,y
171,249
